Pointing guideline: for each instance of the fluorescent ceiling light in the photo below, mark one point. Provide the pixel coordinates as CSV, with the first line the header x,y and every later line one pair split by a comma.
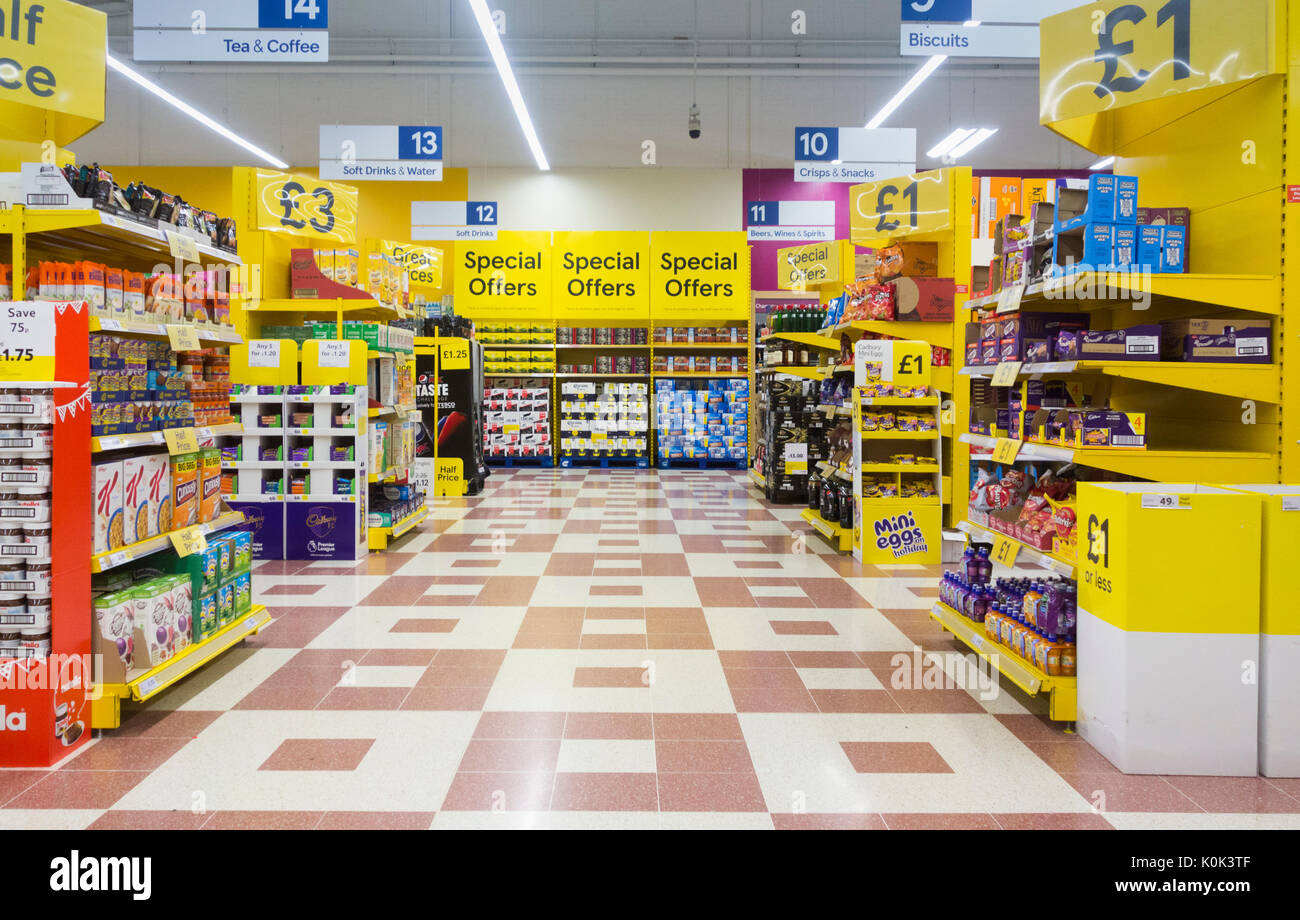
x,y
1106,163
489,30
141,80
972,142
949,142
909,87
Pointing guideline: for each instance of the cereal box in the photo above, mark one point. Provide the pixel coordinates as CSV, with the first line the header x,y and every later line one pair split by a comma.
x,y
158,484
185,490
106,483
209,483
135,499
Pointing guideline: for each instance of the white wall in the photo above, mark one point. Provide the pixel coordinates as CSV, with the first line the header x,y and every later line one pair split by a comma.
x,y
644,198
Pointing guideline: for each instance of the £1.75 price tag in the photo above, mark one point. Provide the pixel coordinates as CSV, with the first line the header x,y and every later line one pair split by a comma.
x,y
1006,450
181,440
189,541
27,341
1005,551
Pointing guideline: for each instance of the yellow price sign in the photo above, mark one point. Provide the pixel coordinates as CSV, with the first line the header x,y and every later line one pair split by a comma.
x,y
600,435
914,204
182,246
305,206
455,355
449,476
189,541
1110,54
183,338
510,429
181,440
1006,374
1006,450
1005,551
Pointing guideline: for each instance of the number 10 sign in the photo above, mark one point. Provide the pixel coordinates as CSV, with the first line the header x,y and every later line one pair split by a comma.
x,y
381,153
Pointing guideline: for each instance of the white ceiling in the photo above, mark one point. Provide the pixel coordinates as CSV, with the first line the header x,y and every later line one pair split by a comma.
x,y
598,77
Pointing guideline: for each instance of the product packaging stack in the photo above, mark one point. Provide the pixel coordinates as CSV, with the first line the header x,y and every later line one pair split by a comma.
x,y
147,494
390,504
604,420
702,422
788,405
26,505
517,422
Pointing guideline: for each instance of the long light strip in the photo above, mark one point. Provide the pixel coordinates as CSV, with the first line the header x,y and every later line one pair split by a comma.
x,y
909,87
489,30
1105,163
952,140
141,80
972,142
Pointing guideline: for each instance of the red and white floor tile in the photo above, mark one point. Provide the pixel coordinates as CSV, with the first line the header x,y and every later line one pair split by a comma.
x,y
607,649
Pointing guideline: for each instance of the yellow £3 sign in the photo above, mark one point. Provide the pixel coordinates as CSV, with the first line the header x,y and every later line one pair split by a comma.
x,y
305,206
1115,53
900,207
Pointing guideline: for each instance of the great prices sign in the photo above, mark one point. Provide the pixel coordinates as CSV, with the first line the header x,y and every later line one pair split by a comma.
x,y
51,70
699,274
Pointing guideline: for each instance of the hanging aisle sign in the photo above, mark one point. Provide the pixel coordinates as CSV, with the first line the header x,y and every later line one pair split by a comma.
x,y
853,154
381,153
305,206
46,90
280,31
454,220
698,274
906,206
975,28
790,221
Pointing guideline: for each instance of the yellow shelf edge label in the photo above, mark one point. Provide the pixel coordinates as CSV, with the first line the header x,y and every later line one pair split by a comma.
x,y
189,541
181,440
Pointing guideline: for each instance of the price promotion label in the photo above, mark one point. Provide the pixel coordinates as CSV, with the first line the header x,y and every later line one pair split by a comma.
x,y
1006,450
181,440
333,353
264,353
905,364
27,341
1009,298
1167,502
1006,374
1005,551
182,246
183,338
455,355
913,204
305,206
796,459
189,541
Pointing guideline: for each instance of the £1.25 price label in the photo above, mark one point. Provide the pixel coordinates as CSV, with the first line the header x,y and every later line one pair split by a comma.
x,y
27,341
455,355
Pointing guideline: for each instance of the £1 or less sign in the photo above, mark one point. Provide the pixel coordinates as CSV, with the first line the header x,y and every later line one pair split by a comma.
x,y
1115,53
305,206
699,274
909,205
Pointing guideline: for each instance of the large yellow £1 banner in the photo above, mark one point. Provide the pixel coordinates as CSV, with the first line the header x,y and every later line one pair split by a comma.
x,y
51,70
900,207
305,206
1115,53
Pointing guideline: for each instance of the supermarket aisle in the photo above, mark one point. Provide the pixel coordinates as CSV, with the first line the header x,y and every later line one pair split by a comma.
x,y
607,649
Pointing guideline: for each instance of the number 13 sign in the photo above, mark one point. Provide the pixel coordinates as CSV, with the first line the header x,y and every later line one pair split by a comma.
x,y
305,206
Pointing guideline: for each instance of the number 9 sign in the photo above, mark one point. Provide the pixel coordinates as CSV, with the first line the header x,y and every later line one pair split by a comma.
x,y
305,206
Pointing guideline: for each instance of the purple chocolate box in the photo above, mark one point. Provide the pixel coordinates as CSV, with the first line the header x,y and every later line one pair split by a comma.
x,y
1136,343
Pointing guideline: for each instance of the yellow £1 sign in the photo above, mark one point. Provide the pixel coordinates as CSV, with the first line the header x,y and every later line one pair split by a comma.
x,y
1115,53
900,207
306,207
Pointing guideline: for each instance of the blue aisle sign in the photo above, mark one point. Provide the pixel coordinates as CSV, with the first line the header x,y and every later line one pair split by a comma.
x,y
233,31
790,221
975,28
853,154
453,220
381,153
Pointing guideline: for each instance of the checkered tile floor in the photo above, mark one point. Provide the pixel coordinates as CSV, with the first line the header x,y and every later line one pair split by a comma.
x,y
616,649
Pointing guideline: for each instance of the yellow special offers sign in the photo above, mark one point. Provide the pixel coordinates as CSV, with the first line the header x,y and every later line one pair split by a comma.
x,y
601,274
1116,53
423,264
799,268
305,206
51,70
506,277
699,274
900,207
